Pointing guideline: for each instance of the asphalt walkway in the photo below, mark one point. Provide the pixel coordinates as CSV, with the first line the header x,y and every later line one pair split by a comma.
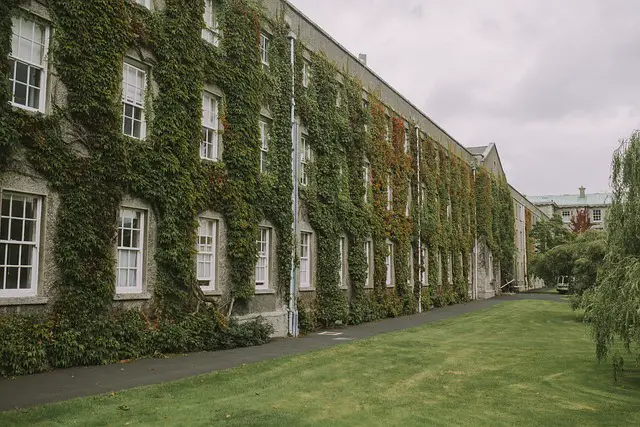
x,y
63,384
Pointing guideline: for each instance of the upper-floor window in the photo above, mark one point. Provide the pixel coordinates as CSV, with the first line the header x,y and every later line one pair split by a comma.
x,y
597,215
20,216
206,258
209,147
305,158
134,82
305,260
130,251
27,64
211,30
262,264
339,97
306,73
406,140
264,50
366,177
264,145
449,208
145,3
389,192
407,209
387,130
566,215
450,268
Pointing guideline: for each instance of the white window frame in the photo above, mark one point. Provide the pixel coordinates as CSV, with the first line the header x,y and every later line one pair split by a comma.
x,y
566,218
211,32
366,175
306,73
424,280
264,147
139,251
264,257
409,200
470,275
210,150
305,260
406,140
35,245
264,49
450,267
341,272
410,276
305,158
42,66
593,214
145,3
134,102
368,253
207,248
339,97
387,135
389,265
389,192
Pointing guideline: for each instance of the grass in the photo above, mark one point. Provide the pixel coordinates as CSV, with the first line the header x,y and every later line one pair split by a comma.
x,y
518,363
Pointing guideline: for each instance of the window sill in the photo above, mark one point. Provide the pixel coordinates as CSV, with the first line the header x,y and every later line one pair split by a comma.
x,y
132,297
34,300
307,289
213,293
265,291
344,288
390,286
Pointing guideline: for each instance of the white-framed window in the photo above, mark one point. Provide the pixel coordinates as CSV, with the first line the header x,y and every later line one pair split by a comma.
x,y
424,279
145,3
262,265
264,49
305,260
134,83
450,268
130,251
341,272
306,73
305,158
491,267
20,217
28,64
440,268
339,97
410,276
597,215
366,177
388,262
470,275
264,148
387,130
209,147
389,192
407,209
406,139
365,107
211,30
206,258
566,215
449,208
368,253
423,194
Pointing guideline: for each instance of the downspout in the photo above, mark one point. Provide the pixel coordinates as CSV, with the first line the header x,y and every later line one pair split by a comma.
x,y
419,191
293,286
474,291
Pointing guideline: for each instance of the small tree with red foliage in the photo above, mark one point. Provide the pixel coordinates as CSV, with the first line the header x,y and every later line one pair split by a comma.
x,y
580,222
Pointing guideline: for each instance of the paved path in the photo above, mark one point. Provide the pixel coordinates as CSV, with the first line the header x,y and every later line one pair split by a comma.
x,y
63,384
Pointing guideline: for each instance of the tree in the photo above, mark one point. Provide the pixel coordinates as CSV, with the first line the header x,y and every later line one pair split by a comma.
x,y
613,306
547,235
580,222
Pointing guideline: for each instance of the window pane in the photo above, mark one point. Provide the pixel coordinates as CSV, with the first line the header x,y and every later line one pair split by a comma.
x,y
12,278
4,229
21,72
123,259
13,255
25,278
16,229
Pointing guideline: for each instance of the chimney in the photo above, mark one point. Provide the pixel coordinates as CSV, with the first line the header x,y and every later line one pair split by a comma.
x,y
582,192
363,58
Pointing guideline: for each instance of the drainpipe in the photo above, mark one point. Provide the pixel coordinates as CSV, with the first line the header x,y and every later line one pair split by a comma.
x,y
419,216
474,288
293,287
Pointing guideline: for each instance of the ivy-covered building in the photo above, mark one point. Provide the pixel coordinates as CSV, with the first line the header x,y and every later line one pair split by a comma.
x,y
161,156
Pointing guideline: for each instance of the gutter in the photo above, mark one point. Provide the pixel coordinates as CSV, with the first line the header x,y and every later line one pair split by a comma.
x,y
419,191
292,311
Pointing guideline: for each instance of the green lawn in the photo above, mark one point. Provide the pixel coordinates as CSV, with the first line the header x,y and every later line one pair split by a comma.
x,y
519,363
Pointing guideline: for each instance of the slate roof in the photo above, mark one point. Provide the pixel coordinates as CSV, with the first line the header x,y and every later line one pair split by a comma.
x,y
566,200
477,151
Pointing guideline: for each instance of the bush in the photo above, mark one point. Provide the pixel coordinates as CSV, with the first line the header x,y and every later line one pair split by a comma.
x,y
36,343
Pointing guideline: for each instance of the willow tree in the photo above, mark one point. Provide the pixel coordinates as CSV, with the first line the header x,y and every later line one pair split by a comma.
x,y
613,307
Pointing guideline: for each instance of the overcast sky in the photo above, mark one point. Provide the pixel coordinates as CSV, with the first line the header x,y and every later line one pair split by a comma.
x,y
554,83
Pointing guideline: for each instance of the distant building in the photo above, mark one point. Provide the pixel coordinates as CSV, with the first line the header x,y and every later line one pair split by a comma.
x,y
568,205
